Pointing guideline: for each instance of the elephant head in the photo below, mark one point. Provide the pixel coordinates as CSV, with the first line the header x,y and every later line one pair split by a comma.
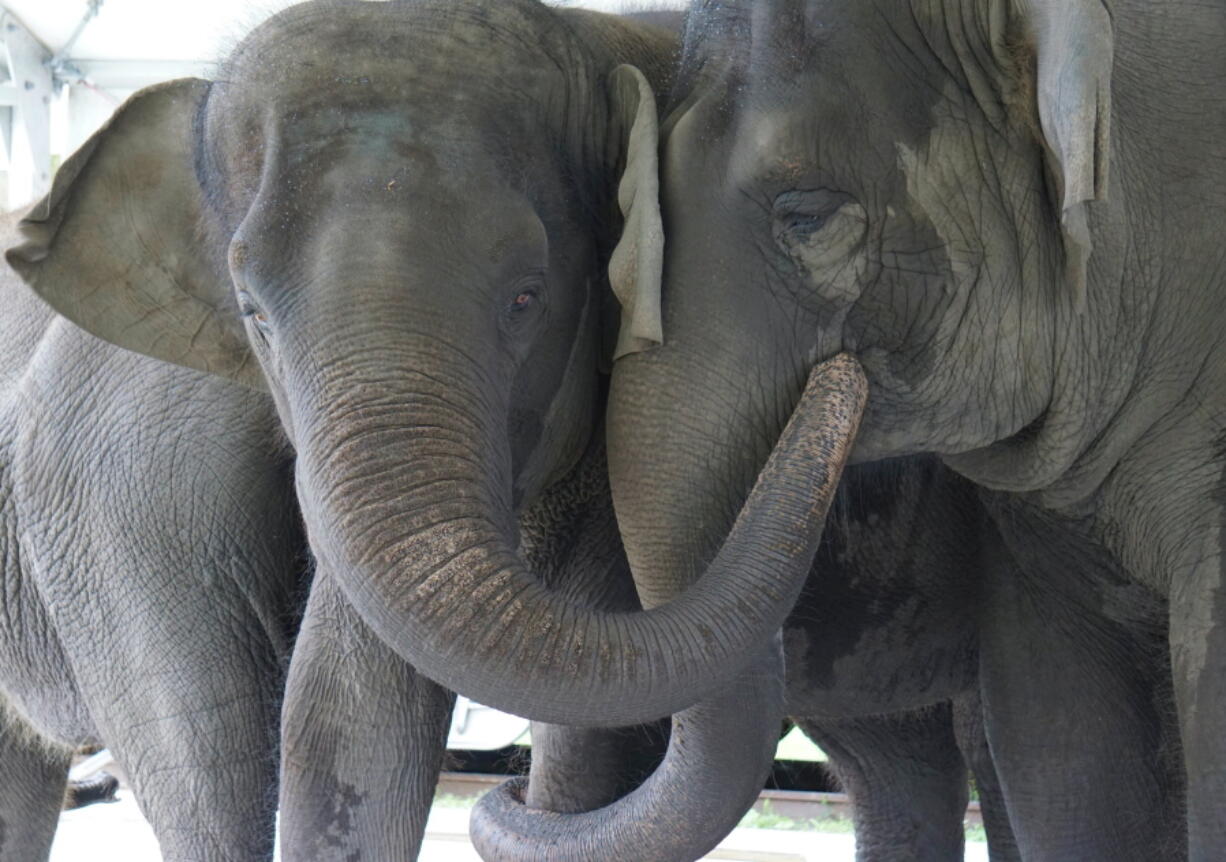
x,y
912,183
392,216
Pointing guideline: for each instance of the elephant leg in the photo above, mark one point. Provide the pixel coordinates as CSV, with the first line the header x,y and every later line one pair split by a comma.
x,y
157,525
363,736
32,792
906,780
179,660
1074,731
101,787
1198,658
192,721
581,769
973,742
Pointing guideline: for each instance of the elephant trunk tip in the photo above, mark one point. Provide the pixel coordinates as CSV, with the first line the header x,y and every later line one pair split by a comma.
x,y
502,826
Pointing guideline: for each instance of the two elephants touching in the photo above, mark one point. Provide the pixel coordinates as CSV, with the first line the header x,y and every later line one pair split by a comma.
x,y
398,249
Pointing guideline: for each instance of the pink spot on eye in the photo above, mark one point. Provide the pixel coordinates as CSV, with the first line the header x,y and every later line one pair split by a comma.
x,y
523,300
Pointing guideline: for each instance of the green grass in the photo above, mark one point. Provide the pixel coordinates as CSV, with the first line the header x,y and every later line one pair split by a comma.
x,y
450,800
767,818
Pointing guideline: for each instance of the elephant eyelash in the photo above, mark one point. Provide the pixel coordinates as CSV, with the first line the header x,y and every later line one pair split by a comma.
x,y
525,297
248,310
523,301
804,224
806,212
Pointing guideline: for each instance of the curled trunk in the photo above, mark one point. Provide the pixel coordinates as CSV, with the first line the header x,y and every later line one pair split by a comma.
x,y
422,546
719,753
718,759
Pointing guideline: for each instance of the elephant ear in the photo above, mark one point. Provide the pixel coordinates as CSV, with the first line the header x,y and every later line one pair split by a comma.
x,y
1074,50
637,263
116,245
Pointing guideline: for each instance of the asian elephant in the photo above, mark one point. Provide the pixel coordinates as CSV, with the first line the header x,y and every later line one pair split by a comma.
x,y
1009,212
396,219
154,569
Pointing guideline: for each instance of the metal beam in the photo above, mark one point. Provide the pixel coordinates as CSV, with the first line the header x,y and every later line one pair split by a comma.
x,y
61,67
33,86
6,130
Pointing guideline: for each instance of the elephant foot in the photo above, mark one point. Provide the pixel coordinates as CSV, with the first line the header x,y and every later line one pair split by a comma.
x,y
99,787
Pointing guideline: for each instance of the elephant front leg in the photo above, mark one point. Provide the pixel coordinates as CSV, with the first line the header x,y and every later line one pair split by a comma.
x,y
576,769
906,780
1198,661
973,743
32,791
363,736
1073,704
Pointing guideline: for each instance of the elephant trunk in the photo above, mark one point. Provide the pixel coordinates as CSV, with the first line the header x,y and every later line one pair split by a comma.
x,y
680,474
718,759
720,750
410,507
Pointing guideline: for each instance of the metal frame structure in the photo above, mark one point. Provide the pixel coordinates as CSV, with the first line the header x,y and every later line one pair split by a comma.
x,y
33,77
25,101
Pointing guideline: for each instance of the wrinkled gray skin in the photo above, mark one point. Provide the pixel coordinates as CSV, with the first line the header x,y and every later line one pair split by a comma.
x,y
883,652
919,183
883,671
152,569
419,284
910,589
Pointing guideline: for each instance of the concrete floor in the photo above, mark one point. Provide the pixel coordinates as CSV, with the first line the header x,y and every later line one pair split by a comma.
x,y
116,832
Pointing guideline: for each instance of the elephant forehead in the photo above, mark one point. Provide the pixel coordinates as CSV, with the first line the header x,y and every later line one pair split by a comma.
x,y
388,51
773,146
429,104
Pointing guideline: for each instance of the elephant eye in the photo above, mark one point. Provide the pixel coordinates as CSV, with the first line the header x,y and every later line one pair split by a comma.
x,y
800,214
250,311
524,307
819,229
804,223
525,297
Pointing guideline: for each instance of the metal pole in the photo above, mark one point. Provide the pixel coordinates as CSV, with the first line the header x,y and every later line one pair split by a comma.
x,y
33,86
61,67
